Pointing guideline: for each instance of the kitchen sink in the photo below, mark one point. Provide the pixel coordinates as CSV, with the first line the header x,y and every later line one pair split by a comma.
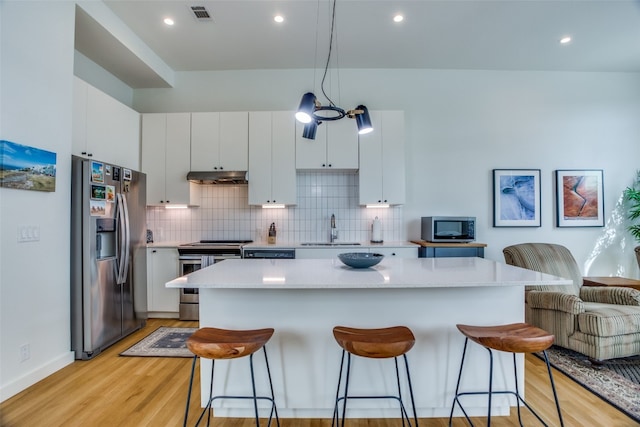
x,y
330,244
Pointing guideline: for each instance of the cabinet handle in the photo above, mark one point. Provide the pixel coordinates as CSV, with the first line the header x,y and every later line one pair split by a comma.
x,y
221,168
153,251
84,153
329,164
90,154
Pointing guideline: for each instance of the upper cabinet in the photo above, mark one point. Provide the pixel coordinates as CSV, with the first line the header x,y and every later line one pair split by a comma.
x,y
382,160
103,128
166,158
335,146
272,172
219,141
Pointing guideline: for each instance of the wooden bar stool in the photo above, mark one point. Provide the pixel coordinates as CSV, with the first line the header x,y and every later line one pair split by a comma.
x,y
513,338
213,343
378,344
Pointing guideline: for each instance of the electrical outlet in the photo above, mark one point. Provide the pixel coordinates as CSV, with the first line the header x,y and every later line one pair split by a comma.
x,y
25,352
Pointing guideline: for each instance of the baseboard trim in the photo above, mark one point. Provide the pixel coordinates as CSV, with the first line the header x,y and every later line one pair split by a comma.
x,y
32,377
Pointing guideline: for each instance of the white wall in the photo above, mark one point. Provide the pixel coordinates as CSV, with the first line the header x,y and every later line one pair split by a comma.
x,y
463,124
35,109
98,77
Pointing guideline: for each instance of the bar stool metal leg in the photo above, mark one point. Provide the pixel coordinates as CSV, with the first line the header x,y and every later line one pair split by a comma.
x,y
186,410
274,409
335,408
413,402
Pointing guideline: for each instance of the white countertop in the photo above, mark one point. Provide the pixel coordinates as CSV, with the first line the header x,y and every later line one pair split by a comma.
x,y
298,245
389,274
325,245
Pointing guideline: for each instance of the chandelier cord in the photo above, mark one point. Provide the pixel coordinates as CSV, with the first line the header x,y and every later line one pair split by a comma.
x,y
315,53
326,67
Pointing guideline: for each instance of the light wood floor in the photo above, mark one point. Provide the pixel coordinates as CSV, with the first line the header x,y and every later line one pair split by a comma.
x,y
138,391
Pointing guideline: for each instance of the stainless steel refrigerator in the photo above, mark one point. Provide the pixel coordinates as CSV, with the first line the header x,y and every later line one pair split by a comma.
x,y
108,255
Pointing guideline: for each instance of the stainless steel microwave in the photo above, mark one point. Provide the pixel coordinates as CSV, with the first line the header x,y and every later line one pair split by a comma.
x,y
449,228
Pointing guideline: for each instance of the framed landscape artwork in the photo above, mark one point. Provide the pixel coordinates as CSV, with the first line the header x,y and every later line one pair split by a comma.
x,y
580,198
516,198
27,168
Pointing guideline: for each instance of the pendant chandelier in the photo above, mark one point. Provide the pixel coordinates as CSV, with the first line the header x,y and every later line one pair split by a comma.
x,y
312,113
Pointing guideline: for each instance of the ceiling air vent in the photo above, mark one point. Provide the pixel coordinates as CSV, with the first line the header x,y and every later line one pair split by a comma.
x,y
201,13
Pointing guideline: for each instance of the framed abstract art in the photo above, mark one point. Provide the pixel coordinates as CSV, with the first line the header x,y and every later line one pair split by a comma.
x,y
516,198
580,198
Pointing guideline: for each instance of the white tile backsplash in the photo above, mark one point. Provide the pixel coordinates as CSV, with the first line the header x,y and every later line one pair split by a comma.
x,y
225,214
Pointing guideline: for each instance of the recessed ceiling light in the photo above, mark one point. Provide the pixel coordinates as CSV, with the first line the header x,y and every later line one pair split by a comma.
x,y
278,18
168,21
565,40
398,18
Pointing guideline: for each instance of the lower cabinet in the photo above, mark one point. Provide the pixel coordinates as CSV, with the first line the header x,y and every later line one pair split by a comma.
x,y
399,252
452,250
323,253
162,267
320,253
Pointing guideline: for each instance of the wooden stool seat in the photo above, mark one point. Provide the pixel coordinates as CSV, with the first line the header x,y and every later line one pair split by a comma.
x,y
214,343
512,338
375,343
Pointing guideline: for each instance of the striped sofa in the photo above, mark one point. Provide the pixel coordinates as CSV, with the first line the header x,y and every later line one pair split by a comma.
x,y
600,322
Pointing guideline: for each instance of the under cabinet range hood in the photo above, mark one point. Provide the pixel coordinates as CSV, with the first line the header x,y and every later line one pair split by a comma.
x,y
217,177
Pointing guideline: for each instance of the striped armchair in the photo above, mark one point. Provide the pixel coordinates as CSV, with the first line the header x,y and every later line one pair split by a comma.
x,y
600,322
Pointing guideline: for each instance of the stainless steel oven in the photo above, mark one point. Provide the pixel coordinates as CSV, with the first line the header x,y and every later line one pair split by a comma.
x,y
197,255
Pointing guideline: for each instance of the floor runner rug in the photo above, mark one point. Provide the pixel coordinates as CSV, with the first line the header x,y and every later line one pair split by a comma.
x,y
617,381
163,342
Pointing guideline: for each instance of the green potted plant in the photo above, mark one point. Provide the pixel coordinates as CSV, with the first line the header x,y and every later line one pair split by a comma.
x,y
632,195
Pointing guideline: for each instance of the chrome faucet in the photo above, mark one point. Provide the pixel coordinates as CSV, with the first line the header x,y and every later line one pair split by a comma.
x,y
334,230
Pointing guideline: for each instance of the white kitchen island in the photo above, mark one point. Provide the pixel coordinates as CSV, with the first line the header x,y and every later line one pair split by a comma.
x,y
304,299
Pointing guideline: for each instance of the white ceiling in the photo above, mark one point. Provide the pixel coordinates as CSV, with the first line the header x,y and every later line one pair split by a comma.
x,y
446,34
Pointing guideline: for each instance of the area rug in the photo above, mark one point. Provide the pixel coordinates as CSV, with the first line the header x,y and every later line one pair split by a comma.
x,y
163,342
617,381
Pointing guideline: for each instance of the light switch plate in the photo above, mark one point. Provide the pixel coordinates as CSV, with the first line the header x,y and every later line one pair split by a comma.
x,y
28,233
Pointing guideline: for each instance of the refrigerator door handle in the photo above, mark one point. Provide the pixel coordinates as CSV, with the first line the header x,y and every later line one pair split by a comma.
x,y
127,241
122,241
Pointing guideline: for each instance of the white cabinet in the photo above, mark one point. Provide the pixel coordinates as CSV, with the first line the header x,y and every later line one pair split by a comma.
x,y
333,252
323,253
335,146
382,162
219,141
166,158
103,128
272,171
395,252
162,267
